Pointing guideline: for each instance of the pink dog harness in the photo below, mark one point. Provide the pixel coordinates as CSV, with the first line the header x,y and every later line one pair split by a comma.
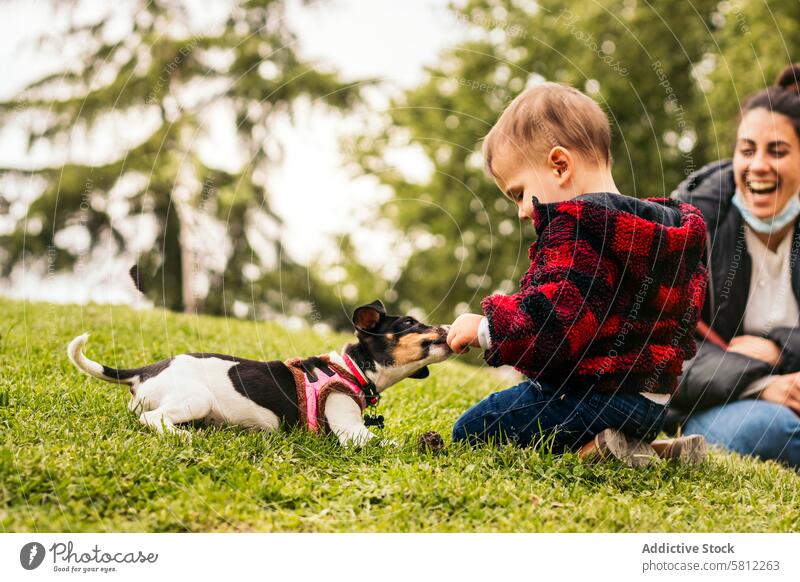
x,y
314,386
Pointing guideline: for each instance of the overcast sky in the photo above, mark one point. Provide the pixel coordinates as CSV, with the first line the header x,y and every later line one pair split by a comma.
x,y
383,39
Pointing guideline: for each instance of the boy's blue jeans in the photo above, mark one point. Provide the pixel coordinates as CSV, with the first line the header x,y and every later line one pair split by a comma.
x,y
531,412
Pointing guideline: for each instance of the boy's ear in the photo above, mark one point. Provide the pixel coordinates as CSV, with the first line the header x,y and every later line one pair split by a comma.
x,y
367,317
562,164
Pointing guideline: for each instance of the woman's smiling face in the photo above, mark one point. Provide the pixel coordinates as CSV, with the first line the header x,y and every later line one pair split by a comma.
x,y
766,163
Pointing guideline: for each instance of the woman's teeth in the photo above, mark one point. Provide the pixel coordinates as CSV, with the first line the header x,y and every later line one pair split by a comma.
x,y
761,186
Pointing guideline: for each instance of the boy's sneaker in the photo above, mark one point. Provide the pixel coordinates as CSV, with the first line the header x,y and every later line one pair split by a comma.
x,y
691,449
612,444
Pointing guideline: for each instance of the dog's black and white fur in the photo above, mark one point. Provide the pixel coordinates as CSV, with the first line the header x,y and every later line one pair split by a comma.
x,y
220,389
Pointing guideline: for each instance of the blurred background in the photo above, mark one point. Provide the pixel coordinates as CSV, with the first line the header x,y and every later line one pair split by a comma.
x,y
287,160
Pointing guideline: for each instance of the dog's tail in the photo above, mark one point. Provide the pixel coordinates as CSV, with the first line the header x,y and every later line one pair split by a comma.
x,y
87,366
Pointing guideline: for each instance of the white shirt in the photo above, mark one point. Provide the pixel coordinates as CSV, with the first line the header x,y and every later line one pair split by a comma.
x,y
771,302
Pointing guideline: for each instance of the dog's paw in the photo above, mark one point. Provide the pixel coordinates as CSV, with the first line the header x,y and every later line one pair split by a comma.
x,y
356,440
180,435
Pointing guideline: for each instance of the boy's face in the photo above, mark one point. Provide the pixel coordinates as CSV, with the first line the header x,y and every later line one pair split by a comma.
x,y
521,178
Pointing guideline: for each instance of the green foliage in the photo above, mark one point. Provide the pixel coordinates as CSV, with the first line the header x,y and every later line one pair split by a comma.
x,y
164,68
755,41
669,74
73,458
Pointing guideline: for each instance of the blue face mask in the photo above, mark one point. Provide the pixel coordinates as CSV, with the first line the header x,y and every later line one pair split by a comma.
x,y
770,225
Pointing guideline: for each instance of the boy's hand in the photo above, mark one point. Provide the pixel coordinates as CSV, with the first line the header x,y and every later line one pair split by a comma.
x,y
464,333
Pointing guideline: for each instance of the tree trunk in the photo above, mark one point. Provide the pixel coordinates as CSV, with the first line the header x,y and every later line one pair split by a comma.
x,y
170,273
188,263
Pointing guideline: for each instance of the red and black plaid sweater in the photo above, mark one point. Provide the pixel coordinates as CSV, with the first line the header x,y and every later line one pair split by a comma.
x,y
612,297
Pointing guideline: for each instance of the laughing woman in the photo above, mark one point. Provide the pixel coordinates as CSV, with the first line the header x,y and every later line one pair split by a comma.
x,y
742,390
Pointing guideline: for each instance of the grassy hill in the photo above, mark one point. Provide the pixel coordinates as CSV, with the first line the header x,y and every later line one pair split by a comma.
x,y
72,458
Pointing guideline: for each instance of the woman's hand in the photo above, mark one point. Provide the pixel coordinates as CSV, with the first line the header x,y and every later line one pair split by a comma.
x,y
464,333
755,347
785,390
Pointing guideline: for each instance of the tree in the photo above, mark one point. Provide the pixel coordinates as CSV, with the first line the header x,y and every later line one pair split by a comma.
x,y
215,240
754,41
651,66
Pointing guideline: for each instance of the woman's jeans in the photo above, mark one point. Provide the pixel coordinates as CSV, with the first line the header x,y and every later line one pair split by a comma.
x,y
534,413
751,427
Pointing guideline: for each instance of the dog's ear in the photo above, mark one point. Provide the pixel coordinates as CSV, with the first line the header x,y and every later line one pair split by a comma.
x,y
367,317
421,374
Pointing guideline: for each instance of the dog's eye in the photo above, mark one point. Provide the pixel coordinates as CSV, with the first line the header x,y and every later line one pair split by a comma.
x,y
408,322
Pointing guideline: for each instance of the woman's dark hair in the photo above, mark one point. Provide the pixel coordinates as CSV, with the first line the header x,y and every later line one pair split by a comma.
x,y
783,97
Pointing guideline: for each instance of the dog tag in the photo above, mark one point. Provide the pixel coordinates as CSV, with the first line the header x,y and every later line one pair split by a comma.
x,y
370,420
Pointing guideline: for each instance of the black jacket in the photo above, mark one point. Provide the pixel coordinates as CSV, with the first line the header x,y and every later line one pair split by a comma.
x,y
715,376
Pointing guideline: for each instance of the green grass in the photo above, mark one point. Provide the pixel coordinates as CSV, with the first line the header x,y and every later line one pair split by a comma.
x,y
72,458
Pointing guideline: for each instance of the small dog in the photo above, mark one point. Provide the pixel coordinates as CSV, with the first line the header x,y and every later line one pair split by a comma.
x,y
321,392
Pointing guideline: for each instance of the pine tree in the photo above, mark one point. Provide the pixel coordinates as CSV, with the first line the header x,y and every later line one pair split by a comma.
x,y
216,239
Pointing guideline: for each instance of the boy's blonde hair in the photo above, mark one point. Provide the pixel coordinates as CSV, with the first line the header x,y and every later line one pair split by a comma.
x,y
547,116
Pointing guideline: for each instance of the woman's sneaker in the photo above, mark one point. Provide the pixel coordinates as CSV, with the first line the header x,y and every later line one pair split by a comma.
x,y
691,449
612,444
